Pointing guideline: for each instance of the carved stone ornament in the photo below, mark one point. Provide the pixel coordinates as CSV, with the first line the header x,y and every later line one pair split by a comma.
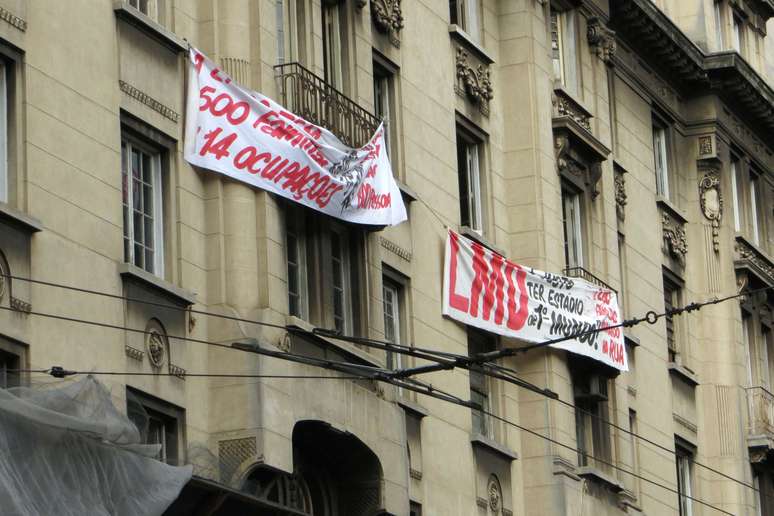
x,y
564,106
705,146
674,237
155,343
711,202
495,494
4,280
620,194
601,39
569,163
749,254
758,455
474,83
388,18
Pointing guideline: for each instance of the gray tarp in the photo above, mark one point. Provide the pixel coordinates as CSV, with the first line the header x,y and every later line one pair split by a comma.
x,y
69,451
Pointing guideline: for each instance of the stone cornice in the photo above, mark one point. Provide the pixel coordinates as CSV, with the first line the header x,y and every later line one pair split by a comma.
x,y
144,98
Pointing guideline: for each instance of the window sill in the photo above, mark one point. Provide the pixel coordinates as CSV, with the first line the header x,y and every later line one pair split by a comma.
x,y
178,295
346,348
492,446
408,194
478,237
458,34
630,339
683,373
415,409
598,476
19,219
153,29
667,205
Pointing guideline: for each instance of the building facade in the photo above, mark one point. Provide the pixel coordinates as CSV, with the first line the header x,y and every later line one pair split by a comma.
x,y
627,142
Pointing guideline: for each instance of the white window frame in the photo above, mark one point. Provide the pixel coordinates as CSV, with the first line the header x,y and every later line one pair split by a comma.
x,y
661,160
345,272
295,225
392,310
735,193
331,27
573,227
3,132
754,222
382,105
684,483
158,205
287,29
719,40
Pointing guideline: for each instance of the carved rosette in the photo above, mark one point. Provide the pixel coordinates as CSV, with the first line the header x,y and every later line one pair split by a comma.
x,y
474,82
388,18
601,39
711,201
675,242
495,494
620,194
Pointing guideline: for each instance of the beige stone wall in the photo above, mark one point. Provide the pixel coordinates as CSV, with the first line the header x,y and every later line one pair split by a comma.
x,y
225,243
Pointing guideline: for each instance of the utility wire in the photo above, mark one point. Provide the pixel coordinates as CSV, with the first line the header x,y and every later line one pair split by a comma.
x,y
447,360
60,372
376,375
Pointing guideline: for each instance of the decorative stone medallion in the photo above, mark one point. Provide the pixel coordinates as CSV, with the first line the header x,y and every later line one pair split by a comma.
x,y
711,202
156,346
495,494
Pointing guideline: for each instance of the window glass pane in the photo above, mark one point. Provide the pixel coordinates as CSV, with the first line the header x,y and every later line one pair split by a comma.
x,y
736,197
473,24
661,162
569,51
462,169
338,273
718,26
3,135
332,45
754,226
391,304
474,188
141,222
556,47
573,236
9,363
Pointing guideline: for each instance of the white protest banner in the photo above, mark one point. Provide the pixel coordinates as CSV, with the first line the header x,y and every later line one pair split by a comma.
x,y
485,290
251,138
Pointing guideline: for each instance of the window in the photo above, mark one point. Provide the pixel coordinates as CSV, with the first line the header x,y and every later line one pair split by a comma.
x,y
332,48
4,194
287,28
736,194
738,35
391,299
755,212
684,463
158,422
661,160
465,13
384,84
622,268
747,340
564,49
671,300
153,9
469,170
633,457
323,261
573,228
415,509
719,25
590,388
9,364
757,493
143,209
480,342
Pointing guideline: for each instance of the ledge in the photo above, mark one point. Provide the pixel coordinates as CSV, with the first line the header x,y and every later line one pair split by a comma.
x,y
683,373
492,446
478,237
412,407
459,35
20,220
409,194
343,347
178,295
676,213
599,476
631,339
133,16
588,144
753,258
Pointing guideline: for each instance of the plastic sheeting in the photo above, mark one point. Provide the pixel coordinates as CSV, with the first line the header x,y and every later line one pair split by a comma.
x,y
70,451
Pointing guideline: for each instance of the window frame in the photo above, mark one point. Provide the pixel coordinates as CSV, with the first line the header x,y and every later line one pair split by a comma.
x,y
286,25
393,360
662,167
168,413
4,133
388,72
563,31
460,14
593,437
738,39
684,457
15,351
158,209
482,387
737,194
332,44
345,269
295,220
718,18
471,191
674,286
576,198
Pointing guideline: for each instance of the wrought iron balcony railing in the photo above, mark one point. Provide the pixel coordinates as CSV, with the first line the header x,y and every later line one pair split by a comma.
x,y
309,96
580,272
760,406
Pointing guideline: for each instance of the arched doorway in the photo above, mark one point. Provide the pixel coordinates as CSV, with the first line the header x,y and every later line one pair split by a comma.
x,y
335,474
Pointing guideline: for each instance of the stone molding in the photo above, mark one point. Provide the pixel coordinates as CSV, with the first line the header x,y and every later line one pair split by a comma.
x,y
601,39
711,199
388,19
564,105
144,98
760,264
177,371
620,193
473,82
20,306
395,248
675,242
12,19
134,353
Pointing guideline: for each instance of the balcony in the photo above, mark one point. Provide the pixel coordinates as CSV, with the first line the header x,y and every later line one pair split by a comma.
x,y
760,421
309,96
580,272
